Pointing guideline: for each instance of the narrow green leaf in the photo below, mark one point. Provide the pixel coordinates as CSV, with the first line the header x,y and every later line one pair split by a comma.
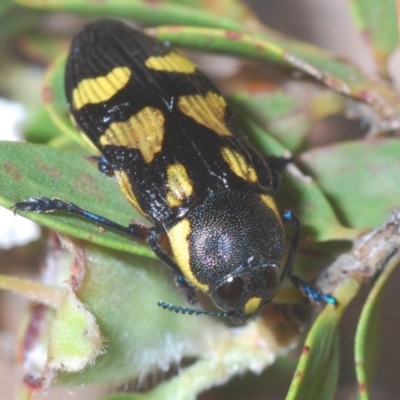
x,y
28,170
317,371
366,341
139,10
234,9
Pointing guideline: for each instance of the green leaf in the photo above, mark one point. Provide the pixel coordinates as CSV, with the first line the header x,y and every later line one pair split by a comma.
x,y
288,113
74,339
28,170
317,372
377,21
318,218
277,111
233,9
39,127
366,341
122,292
140,11
55,102
318,368
360,178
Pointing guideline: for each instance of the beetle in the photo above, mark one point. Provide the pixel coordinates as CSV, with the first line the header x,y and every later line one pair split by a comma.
x,y
166,134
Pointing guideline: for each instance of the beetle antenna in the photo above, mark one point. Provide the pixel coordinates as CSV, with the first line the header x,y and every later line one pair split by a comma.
x,y
190,311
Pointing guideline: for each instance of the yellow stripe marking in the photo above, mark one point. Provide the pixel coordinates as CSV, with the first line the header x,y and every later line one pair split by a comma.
x,y
238,164
172,62
143,131
127,190
179,185
208,110
252,305
100,89
270,203
179,240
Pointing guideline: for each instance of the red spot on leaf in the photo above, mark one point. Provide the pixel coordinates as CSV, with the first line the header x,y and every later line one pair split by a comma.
x,y
10,169
259,85
152,2
51,171
47,94
85,185
306,350
233,35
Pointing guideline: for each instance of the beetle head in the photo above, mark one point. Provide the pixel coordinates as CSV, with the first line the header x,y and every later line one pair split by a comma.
x,y
236,243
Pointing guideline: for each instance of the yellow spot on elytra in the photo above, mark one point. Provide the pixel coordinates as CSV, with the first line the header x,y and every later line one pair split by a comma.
x,y
179,185
100,89
252,305
179,239
270,203
238,164
208,110
126,188
171,62
143,131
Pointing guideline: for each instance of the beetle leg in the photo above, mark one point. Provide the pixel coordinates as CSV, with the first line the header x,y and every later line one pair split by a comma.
x,y
289,217
276,180
278,163
153,237
313,294
102,164
46,205
105,167
190,291
138,232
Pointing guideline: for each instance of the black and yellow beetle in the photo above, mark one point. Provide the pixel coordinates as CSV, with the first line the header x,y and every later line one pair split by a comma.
x,y
168,137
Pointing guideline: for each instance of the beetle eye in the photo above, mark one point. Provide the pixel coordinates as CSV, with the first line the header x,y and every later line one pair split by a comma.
x,y
229,295
271,282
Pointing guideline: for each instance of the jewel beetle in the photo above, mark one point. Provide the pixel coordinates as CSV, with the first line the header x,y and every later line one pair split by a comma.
x,y
166,134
